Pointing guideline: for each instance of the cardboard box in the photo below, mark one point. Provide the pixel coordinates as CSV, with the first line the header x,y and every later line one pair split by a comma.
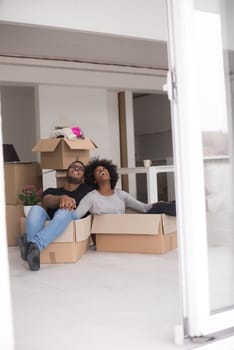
x,y
17,176
69,246
135,233
59,153
13,215
61,177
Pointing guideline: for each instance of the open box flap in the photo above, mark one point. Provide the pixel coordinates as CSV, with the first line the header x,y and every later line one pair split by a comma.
x,y
46,145
149,224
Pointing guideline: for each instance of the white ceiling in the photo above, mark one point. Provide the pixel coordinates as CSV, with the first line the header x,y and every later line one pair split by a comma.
x,y
50,43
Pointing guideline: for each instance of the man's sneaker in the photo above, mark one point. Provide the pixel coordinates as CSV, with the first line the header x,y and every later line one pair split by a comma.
x,y
33,256
22,242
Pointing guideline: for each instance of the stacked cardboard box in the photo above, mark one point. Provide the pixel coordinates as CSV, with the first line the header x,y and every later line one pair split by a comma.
x,y
13,215
60,177
59,153
17,176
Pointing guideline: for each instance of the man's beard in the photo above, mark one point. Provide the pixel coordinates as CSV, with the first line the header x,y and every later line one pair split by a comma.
x,y
74,181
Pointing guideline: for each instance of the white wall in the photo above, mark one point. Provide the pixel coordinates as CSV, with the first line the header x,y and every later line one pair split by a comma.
x,y
143,19
18,119
94,110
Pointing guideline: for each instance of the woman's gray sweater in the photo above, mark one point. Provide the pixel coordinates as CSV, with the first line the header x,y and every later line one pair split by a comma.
x,y
96,203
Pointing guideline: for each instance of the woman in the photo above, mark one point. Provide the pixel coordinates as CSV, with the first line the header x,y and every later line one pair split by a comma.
x,y
105,199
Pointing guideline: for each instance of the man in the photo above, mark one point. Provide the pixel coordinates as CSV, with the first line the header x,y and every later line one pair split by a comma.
x,y
58,205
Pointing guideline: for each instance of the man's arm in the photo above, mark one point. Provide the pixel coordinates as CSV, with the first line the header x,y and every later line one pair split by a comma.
x,y
58,201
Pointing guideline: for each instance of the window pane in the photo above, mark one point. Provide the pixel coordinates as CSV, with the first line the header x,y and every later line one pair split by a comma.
x,y
216,118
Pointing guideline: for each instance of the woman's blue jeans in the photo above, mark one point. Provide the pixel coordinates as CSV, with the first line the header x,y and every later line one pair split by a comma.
x,y
42,235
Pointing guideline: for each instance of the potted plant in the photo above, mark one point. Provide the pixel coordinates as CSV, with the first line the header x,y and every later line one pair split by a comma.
x,y
29,196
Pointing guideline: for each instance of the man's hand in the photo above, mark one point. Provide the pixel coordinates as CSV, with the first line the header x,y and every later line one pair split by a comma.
x,y
67,202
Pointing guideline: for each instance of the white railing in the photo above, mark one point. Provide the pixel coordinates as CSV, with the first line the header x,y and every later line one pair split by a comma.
x,y
151,178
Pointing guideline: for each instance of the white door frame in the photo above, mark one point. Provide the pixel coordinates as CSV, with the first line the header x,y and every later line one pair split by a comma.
x,y
224,344
190,185
6,317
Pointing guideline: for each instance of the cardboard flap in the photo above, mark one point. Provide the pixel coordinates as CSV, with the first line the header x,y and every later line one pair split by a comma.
x,y
169,224
148,224
46,145
83,228
66,236
84,144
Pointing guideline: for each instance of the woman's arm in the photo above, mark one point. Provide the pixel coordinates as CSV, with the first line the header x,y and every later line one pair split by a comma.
x,y
132,203
85,205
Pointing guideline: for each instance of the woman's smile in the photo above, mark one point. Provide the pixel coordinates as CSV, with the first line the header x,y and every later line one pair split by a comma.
x,y
102,173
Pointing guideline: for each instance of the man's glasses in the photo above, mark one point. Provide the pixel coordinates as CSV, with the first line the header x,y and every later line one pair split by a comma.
x,y
76,167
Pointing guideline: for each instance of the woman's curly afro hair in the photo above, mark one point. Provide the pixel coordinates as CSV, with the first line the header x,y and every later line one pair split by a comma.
x,y
93,164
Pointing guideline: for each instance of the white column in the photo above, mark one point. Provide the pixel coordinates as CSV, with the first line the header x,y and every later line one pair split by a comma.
x,y
130,140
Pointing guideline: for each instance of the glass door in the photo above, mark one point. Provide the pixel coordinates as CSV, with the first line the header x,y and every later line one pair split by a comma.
x,y
201,84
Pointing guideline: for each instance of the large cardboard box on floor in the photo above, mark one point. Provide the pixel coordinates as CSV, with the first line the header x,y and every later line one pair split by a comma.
x,y
13,215
17,176
69,246
135,233
59,153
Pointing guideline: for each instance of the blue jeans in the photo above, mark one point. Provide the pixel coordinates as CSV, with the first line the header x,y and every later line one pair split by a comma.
x,y
42,235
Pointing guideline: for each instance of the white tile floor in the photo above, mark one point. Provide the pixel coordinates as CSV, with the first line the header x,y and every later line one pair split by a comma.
x,y
106,301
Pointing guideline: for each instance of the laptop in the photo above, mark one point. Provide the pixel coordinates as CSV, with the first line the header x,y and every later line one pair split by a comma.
x,y
9,153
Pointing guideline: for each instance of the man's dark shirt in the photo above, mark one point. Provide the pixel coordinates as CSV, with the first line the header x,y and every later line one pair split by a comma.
x,y
78,194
